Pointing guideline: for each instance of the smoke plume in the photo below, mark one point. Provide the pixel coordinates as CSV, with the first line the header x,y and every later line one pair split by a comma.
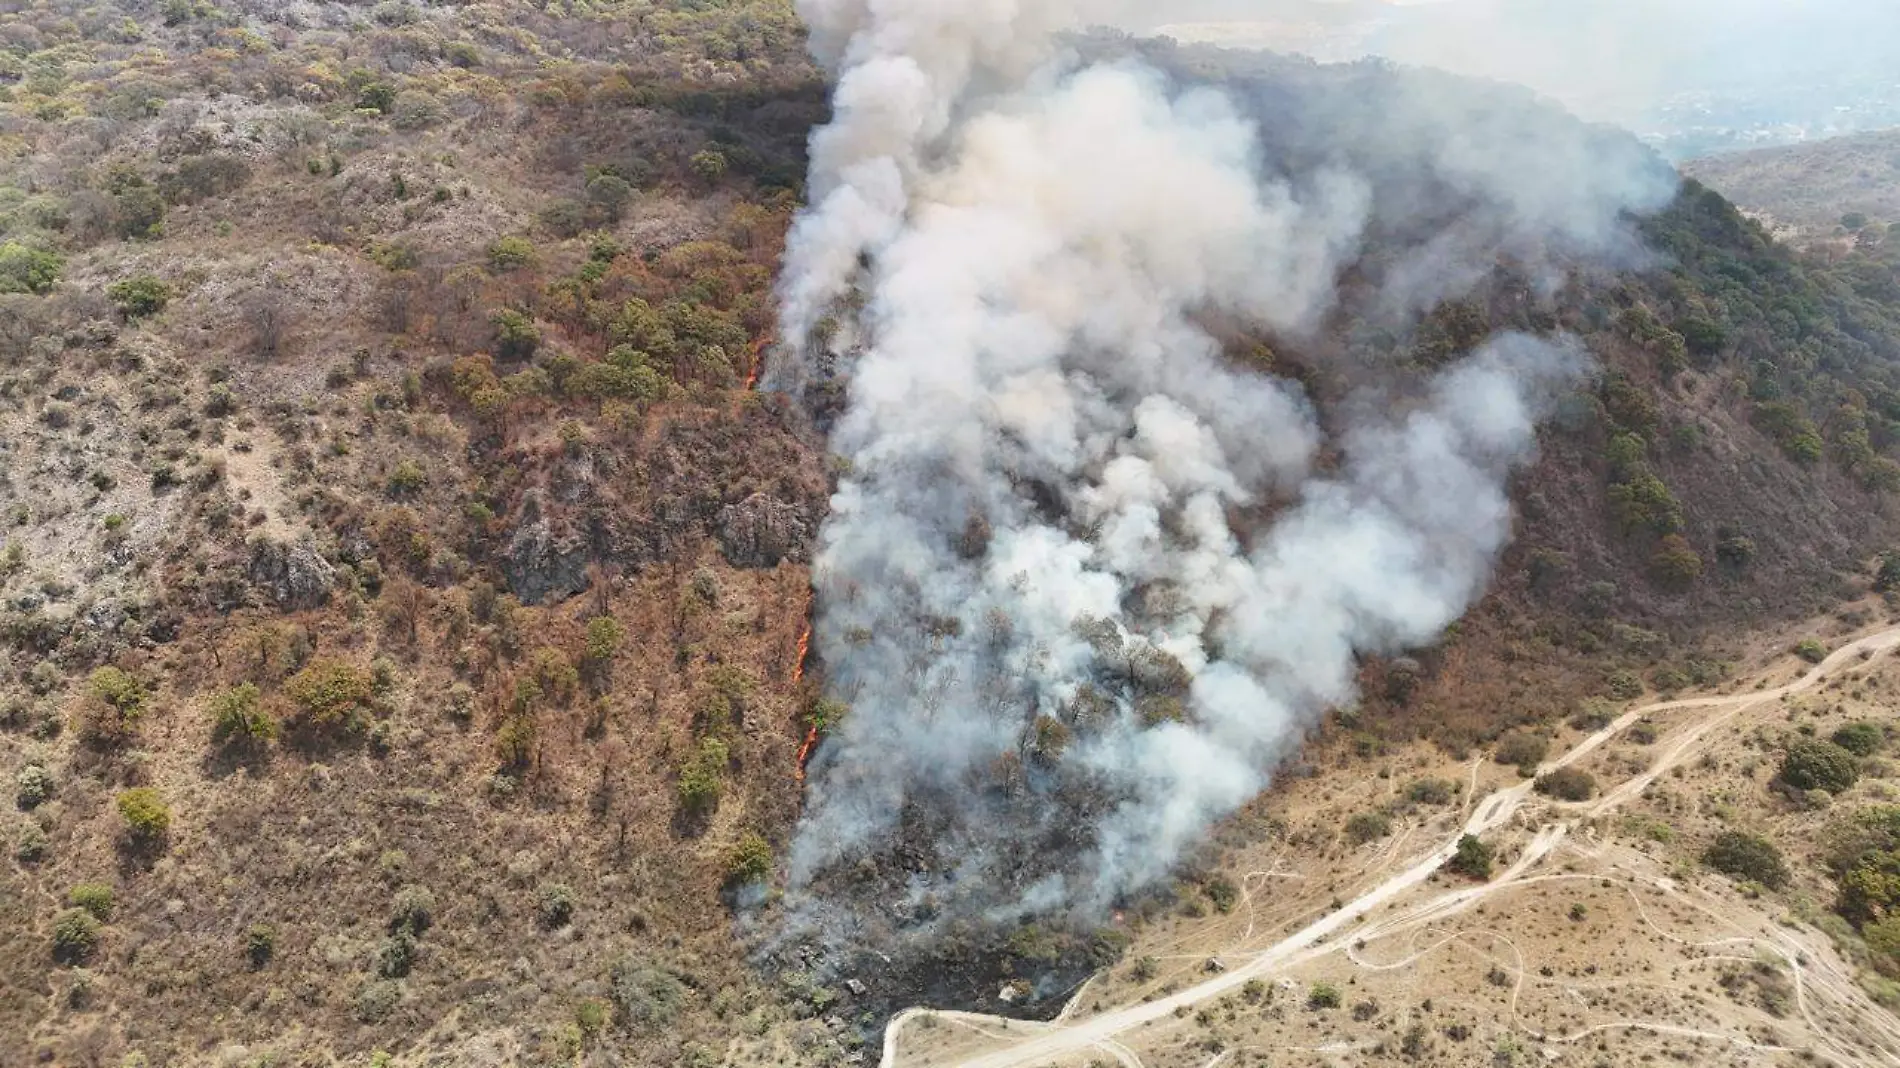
x,y
1086,580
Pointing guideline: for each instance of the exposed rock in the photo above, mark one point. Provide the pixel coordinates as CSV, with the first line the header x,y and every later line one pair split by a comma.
x,y
760,531
295,577
544,560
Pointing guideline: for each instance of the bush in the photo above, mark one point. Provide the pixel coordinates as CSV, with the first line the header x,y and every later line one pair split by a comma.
x,y
645,998
516,337
1368,827
1675,563
709,165
1810,650
28,270
376,1000
30,846
556,905
1222,892
604,635
139,212
750,860
260,944
32,787
1623,685
413,911
95,898
416,110
1861,739
379,97
1811,764
1568,784
511,254
703,777
396,955
1323,996
515,740
115,702
1431,791
1747,856
75,936
238,718
1473,858
406,479
609,192
329,693
1521,749
147,818
139,296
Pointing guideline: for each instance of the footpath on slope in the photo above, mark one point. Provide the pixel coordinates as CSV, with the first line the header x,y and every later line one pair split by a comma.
x,y
1065,1036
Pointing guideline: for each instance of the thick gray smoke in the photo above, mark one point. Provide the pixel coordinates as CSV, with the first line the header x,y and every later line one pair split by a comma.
x,y
1085,582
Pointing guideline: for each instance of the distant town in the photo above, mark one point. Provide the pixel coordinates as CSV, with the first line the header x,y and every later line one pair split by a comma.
x,y
1711,122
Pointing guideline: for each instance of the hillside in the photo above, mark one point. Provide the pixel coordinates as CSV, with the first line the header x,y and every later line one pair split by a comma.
x,y
1830,193
402,592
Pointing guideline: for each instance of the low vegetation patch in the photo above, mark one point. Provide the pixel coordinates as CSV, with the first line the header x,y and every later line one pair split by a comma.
x,y
1568,784
1368,827
1522,750
1747,856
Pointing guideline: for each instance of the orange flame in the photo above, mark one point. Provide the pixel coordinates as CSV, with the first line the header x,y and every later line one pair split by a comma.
x,y
804,647
804,752
758,360
798,676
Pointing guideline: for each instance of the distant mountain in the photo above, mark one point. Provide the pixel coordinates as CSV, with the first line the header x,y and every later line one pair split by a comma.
x,y
1807,190
1692,77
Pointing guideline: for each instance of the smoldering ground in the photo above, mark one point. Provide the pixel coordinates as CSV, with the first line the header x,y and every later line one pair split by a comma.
x,y
1087,578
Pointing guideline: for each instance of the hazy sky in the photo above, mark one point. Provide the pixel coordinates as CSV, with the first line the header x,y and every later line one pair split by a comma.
x,y
1608,58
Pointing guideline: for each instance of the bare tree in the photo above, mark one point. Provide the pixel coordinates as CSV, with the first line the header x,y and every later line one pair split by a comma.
x,y
396,300
266,315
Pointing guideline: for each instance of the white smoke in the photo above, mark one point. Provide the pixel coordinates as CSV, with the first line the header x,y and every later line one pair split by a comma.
x,y
1068,633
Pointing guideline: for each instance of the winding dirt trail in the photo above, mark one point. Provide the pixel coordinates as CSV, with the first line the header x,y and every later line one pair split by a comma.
x,y
1039,1044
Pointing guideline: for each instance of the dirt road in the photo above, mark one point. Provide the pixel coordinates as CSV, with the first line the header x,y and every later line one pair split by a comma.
x,y
1039,1044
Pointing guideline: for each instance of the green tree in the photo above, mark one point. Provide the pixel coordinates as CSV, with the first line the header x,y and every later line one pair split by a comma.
x,y
511,254
1812,764
24,269
609,193
139,296
329,693
516,337
379,97
148,819
238,717
604,635
1472,858
750,861
1675,563
115,703
1644,504
75,936
702,777
710,165
95,898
